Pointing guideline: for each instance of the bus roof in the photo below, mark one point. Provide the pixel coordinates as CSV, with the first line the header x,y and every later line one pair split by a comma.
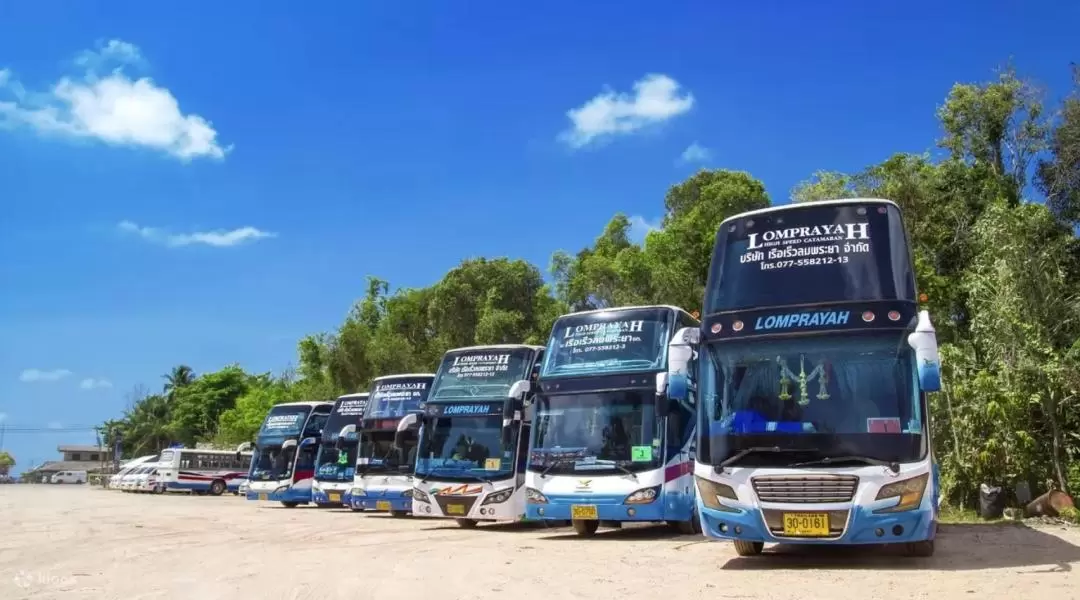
x,y
354,395
402,376
783,207
622,308
499,346
306,403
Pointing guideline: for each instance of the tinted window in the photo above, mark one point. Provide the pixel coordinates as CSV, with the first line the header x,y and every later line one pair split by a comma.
x,y
484,372
285,421
810,255
608,342
348,410
397,397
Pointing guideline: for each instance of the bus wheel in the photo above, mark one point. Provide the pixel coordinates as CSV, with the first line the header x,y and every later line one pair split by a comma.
x,y
585,528
217,488
355,509
691,527
744,548
289,504
466,523
923,549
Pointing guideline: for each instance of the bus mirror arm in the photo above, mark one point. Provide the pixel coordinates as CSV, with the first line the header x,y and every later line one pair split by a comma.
x,y
343,434
242,448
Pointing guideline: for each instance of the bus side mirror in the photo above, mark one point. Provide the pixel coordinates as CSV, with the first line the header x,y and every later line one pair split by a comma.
x,y
407,422
927,359
309,441
242,448
346,431
661,398
676,382
287,445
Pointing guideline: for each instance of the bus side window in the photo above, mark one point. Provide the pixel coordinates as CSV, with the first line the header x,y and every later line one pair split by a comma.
x,y
306,460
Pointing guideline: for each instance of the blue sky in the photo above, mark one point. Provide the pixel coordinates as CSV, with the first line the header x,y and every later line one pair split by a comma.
x,y
235,200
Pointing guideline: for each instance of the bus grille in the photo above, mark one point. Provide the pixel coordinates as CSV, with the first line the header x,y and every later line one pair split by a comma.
x,y
805,489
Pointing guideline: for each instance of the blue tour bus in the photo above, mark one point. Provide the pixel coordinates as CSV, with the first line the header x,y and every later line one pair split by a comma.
x,y
815,363
609,444
283,462
335,463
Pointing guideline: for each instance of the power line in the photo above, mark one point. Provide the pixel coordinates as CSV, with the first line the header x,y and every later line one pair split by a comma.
x,y
65,429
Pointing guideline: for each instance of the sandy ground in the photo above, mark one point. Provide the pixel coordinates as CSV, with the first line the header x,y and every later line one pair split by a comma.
x,y
77,542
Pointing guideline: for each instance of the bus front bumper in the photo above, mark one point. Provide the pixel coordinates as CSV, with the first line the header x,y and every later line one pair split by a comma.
x,y
280,495
340,497
382,501
861,526
587,508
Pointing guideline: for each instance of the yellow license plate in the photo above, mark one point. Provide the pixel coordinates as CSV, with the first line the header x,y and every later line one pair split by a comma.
x,y
455,509
264,497
583,512
335,497
806,524
382,505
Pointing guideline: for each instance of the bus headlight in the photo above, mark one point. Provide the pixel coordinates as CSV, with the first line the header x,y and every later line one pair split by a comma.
x,y
712,491
643,496
420,495
497,497
359,492
533,496
909,491
407,493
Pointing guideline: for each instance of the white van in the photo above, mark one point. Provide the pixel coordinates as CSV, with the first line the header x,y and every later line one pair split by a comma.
x,y
69,477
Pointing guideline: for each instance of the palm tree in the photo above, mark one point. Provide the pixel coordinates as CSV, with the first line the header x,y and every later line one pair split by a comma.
x,y
179,377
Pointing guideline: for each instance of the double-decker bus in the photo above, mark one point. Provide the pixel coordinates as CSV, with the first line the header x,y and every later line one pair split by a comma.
x,y
386,454
814,364
474,438
609,444
202,471
283,462
335,463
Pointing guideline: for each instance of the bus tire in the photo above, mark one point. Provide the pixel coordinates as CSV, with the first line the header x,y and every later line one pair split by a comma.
x,y
217,488
920,549
585,528
289,504
745,548
467,523
691,527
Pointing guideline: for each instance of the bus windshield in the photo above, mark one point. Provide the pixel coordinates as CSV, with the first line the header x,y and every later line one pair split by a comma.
x,y
603,342
481,372
609,431
377,454
283,422
465,448
829,395
336,464
271,463
810,254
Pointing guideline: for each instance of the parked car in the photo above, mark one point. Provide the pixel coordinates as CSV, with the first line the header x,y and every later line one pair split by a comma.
x,y
69,477
150,483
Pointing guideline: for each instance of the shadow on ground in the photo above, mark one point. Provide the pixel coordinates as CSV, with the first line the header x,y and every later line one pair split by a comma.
x,y
627,533
959,548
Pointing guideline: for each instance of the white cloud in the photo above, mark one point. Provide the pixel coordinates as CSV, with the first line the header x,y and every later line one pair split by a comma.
x,y
655,99
219,238
55,425
695,153
640,227
90,383
113,108
38,375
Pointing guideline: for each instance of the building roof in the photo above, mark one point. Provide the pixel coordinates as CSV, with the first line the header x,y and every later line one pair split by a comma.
x,y
67,465
80,448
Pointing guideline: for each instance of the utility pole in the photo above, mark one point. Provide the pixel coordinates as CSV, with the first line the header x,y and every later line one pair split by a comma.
x,y
3,430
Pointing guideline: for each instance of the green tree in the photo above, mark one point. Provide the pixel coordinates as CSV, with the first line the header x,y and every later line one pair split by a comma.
x,y
179,377
6,462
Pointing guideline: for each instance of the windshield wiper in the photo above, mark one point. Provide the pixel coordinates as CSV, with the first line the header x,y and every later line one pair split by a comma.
x,y
734,458
828,460
556,463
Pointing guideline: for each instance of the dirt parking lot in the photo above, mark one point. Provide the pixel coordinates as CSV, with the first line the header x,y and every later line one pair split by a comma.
x,y
77,542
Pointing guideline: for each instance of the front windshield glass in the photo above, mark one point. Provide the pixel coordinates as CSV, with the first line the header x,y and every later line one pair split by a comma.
x,y
271,463
607,431
603,342
397,396
465,448
480,373
825,395
336,464
378,455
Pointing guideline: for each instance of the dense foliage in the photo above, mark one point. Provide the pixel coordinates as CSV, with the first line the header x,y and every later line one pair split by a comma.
x,y
993,227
